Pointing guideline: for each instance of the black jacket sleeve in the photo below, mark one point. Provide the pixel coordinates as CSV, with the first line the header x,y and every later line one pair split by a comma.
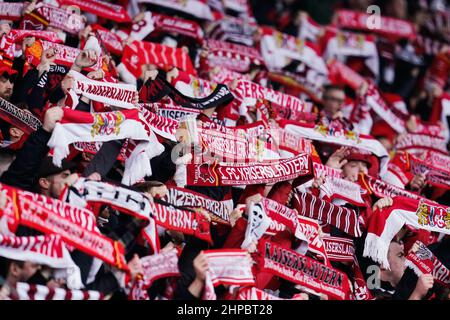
x,y
22,172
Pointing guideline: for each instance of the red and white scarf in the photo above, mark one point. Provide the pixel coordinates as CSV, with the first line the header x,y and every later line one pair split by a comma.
x,y
221,51
252,293
139,52
76,226
110,40
232,30
63,19
26,291
342,218
197,8
302,270
11,10
383,189
345,138
186,198
342,44
249,92
230,174
162,126
309,29
389,27
228,267
339,73
418,143
173,111
100,8
19,118
161,265
79,126
387,222
48,249
114,94
339,249
423,261
438,177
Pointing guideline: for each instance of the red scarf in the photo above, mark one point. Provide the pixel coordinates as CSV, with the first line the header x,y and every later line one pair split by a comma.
x,y
26,291
383,189
100,8
75,225
342,218
157,266
303,271
11,10
414,143
59,18
228,267
389,27
386,223
197,8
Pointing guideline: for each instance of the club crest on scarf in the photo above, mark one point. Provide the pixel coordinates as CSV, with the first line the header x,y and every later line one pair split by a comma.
x,y
107,123
324,130
432,216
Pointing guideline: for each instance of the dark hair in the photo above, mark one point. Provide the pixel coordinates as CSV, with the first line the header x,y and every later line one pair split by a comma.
x,y
329,87
147,185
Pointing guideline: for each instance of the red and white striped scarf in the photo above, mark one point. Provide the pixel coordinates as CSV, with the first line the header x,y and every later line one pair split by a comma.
x,y
229,174
162,126
228,267
344,219
79,126
186,198
26,291
389,27
387,222
423,261
197,8
302,270
100,8
139,53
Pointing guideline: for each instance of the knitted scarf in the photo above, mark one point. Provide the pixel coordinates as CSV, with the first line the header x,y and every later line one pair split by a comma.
x,y
342,218
19,118
438,177
342,44
161,265
343,137
48,249
59,18
229,174
228,267
424,261
302,270
197,8
139,53
383,189
232,30
389,27
79,126
387,222
155,90
114,94
220,210
26,291
100,8
249,92
339,249
11,10
76,226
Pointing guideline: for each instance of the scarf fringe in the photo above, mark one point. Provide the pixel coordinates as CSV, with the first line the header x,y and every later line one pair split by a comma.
x,y
410,264
376,249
